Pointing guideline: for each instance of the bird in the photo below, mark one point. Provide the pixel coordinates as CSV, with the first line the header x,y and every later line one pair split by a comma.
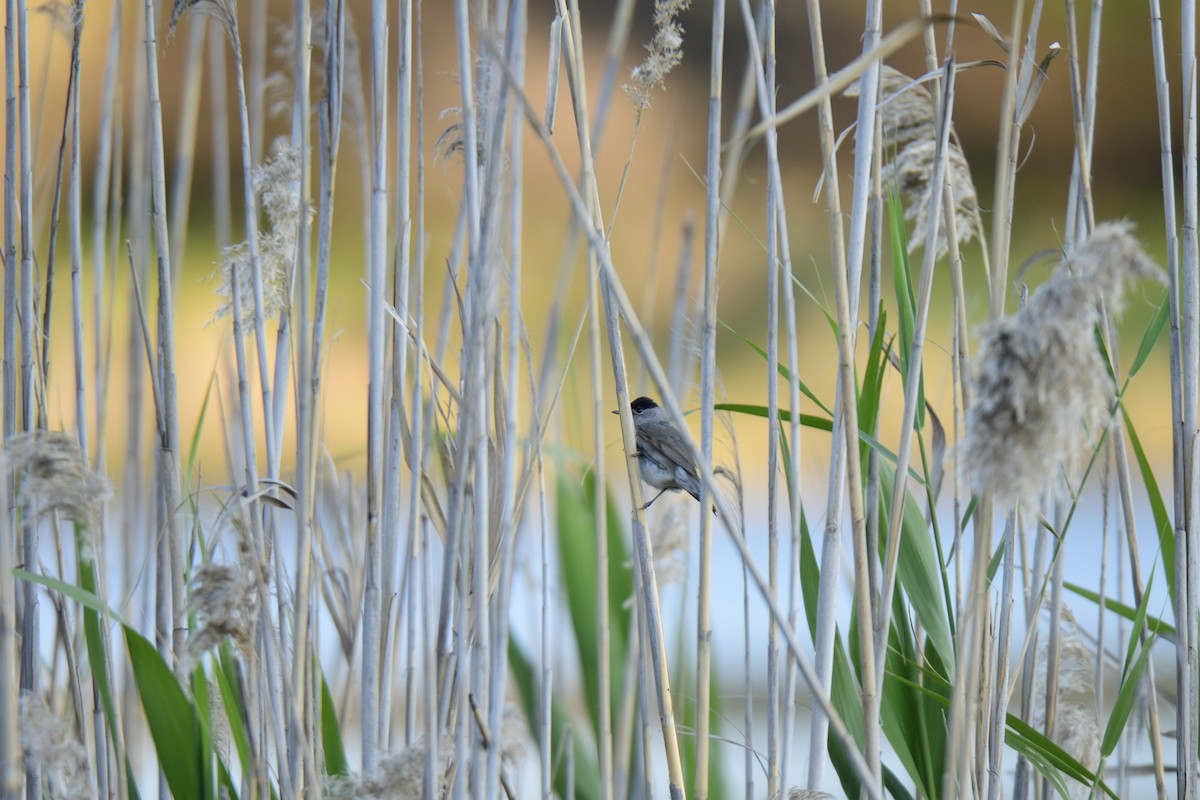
x,y
664,459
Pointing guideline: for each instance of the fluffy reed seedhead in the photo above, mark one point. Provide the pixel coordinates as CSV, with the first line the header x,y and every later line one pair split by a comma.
x,y
1041,385
52,476
277,182
225,11
224,599
453,140
64,16
1076,722
401,776
48,741
910,146
665,53
807,794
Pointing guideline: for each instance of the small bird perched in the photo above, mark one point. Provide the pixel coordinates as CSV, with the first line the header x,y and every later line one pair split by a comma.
x,y
664,460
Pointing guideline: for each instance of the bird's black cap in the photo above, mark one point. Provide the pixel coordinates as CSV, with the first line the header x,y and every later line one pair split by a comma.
x,y
642,404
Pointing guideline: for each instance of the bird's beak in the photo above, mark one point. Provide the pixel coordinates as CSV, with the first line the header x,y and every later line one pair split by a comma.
x,y
618,411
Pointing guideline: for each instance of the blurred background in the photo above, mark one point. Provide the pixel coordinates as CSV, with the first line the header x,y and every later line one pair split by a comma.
x,y
662,197
651,184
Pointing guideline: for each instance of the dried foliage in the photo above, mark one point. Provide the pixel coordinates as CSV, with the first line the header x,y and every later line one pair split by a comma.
x,y
224,599
401,776
277,182
910,146
1041,385
666,51
52,476
1076,722
49,743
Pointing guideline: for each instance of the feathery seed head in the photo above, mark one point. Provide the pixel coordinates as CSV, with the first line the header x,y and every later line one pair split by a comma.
x,y
401,776
49,742
277,181
910,146
1041,385
53,476
225,601
665,53
1076,722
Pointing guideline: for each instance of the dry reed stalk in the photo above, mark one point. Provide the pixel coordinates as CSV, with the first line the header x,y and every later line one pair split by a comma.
x,y
30,674
932,248
779,732
847,410
372,632
171,551
10,740
10,234
708,369
973,616
671,404
498,669
1171,235
1187,530
591,216
398,448
868,159
305,708
594,313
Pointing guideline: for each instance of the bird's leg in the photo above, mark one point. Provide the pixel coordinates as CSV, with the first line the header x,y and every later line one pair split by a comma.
x,y
660,494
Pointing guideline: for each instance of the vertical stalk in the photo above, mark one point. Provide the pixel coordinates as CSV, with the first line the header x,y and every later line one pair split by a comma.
x,y
30,675
169,433
1176,294
708,369
10,740
10,236
302,717
498,670
376,281
848,411
1187,537
643,559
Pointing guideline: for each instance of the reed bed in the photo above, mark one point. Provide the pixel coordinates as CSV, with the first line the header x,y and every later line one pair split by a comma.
x,y
478,604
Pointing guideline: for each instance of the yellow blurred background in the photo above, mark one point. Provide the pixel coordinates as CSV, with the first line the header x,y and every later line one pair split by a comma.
x,y
663,192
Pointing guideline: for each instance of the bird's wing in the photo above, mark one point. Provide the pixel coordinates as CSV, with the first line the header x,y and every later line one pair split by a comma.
x,y
661,439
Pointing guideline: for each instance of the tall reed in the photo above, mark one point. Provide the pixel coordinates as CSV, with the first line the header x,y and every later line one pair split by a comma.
x,y
397,613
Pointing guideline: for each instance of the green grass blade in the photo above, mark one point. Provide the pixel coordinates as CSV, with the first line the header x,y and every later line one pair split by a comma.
x,y
902,711
1126,696
918,570
1163,630
1050,758
171,718
870,394
98,661
224,671
331,733
901,276
1162,520
1150,336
